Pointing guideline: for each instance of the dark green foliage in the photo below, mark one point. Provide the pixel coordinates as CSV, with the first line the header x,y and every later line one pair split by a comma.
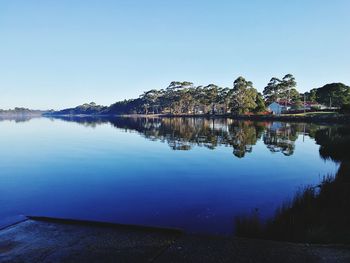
x,y
179,98
260,104
125,107
332,95
272,91
345,108
311,95
183,98
243,96
298,104
85,109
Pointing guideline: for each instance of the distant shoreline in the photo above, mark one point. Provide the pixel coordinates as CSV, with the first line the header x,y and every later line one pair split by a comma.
x,y
336,118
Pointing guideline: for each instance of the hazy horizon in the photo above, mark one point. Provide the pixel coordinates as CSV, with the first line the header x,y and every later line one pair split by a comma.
x,y
62,54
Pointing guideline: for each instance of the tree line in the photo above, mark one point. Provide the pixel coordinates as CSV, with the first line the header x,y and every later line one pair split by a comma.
x,y
184,98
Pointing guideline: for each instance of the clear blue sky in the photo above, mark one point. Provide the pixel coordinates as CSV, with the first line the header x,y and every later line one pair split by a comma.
x,y
56,54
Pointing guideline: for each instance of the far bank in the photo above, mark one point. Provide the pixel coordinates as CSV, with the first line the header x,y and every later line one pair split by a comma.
x,y
317,117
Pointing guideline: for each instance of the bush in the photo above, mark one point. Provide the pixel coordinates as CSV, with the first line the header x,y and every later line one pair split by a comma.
x,y
345,109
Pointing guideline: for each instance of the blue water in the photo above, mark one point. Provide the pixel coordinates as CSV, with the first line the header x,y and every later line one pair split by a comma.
x,y
128,172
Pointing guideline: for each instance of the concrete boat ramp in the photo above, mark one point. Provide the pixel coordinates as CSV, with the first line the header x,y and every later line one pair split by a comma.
x,y
38,239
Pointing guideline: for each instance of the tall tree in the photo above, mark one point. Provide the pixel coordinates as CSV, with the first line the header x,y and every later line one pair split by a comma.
x,y
212,96
272,90
173,94
311,95
260,103
224,98
278,89
288,83
151,101
333,95
243,96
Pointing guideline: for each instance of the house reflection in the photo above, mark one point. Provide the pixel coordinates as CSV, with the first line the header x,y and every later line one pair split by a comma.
x,y
185,133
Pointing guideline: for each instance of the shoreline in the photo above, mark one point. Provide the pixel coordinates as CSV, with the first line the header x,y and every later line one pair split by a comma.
x,y
89,241
336,119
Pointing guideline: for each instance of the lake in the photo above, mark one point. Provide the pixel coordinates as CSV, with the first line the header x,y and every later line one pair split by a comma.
x,y
191,173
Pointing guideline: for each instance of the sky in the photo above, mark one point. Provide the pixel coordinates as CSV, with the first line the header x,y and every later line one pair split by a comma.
x,y
58,54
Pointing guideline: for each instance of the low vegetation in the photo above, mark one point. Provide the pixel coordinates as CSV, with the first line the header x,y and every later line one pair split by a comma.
x,y
317,214
314,113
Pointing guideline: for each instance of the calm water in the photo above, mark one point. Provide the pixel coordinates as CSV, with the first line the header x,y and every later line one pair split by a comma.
x,y
194,174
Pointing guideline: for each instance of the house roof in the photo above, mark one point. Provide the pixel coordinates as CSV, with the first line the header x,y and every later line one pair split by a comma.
x,y
284,103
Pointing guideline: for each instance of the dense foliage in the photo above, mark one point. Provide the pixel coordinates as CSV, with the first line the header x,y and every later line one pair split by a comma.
x,y
278,89
184,98
86,109
332,95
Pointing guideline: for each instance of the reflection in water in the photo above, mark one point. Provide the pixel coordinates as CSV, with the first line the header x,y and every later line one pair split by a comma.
x,y
17,118
105,175
281,137
317,213
185,133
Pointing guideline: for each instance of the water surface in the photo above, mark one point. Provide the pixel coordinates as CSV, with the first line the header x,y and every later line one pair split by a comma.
x,y
194,174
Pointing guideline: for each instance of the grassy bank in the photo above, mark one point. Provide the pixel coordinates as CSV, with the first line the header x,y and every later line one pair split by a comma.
x,y
317,117
316,214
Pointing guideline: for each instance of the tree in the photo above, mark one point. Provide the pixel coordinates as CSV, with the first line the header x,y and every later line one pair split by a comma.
x,y
272,90
175,85
260,104
311,95
294,95
288,83
202,98
151,101
224,98
278,89
212,96
243,96
298,104
333,95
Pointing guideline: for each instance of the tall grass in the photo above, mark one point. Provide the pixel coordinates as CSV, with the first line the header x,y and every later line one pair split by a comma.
x,y
318,214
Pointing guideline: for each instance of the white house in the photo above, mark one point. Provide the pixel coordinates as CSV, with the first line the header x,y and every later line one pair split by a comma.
x,y
308,105
276,108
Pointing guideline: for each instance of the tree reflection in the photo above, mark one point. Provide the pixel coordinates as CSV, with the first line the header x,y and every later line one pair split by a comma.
x,y
281,137
18,119
185,133
243,135
318,213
